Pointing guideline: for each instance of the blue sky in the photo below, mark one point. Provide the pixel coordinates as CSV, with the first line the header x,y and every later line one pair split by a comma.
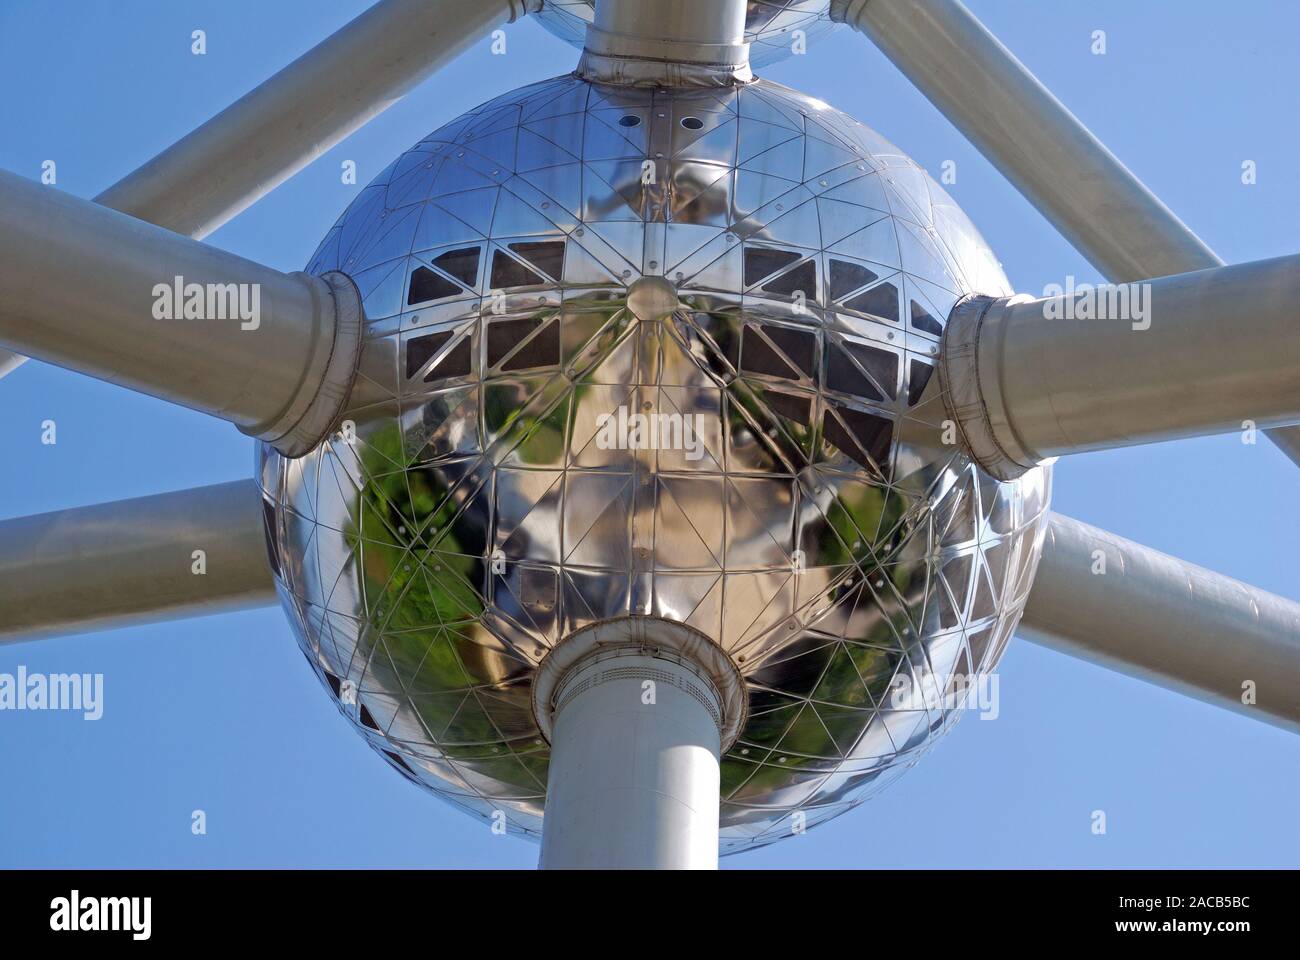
x,y
222,714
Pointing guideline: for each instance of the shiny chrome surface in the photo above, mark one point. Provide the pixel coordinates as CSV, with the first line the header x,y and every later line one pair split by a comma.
x,y
1190,355
769,24
278,367
1166,621
132,561
667,43
1096,203
466,518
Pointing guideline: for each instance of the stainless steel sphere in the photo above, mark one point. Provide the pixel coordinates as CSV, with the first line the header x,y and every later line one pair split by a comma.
x,y
770,25
765,281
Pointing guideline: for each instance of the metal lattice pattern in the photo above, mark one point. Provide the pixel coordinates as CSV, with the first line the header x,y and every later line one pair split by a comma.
x,y
468,517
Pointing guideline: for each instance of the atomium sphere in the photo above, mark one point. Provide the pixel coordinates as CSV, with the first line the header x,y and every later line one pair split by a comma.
x,y
770,25
763,281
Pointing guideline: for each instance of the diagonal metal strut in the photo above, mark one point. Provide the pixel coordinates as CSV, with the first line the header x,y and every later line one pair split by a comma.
x,y
1083,190
1141,612
250,148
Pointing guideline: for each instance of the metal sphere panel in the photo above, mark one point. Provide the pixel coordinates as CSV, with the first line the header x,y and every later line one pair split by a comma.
x,y
468,515
769,24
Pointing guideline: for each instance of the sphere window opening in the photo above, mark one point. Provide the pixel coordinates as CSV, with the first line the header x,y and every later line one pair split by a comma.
x,y
453,274
534,264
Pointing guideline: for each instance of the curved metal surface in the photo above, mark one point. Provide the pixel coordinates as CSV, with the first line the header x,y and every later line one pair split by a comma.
x,y
633,780
770,25
96,291
272,132
655,637
133,561
667,42
562,260
1191,355
1166,621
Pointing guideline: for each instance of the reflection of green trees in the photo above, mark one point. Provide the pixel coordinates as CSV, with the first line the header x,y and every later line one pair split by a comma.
x,y
423,560
846,680
418,577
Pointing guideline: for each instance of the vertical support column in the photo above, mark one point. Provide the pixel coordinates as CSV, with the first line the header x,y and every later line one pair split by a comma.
x,y
668,42
634,779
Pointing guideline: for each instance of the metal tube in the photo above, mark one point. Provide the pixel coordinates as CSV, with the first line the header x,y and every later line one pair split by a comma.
x,y
134,561
1166,621
1200,353
250,148
1047,154
96,291
673,42
272,132
1083,190
634,780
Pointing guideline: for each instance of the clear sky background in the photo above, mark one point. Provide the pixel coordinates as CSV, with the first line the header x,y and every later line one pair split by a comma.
x,y
223,714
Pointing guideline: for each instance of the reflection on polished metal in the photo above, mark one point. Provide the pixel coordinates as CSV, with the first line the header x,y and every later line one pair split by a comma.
x,y
87,288
272,132
133,561
772,28
1095,202
1166,621
633,476
669,42
697,389
1199,353
636,725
